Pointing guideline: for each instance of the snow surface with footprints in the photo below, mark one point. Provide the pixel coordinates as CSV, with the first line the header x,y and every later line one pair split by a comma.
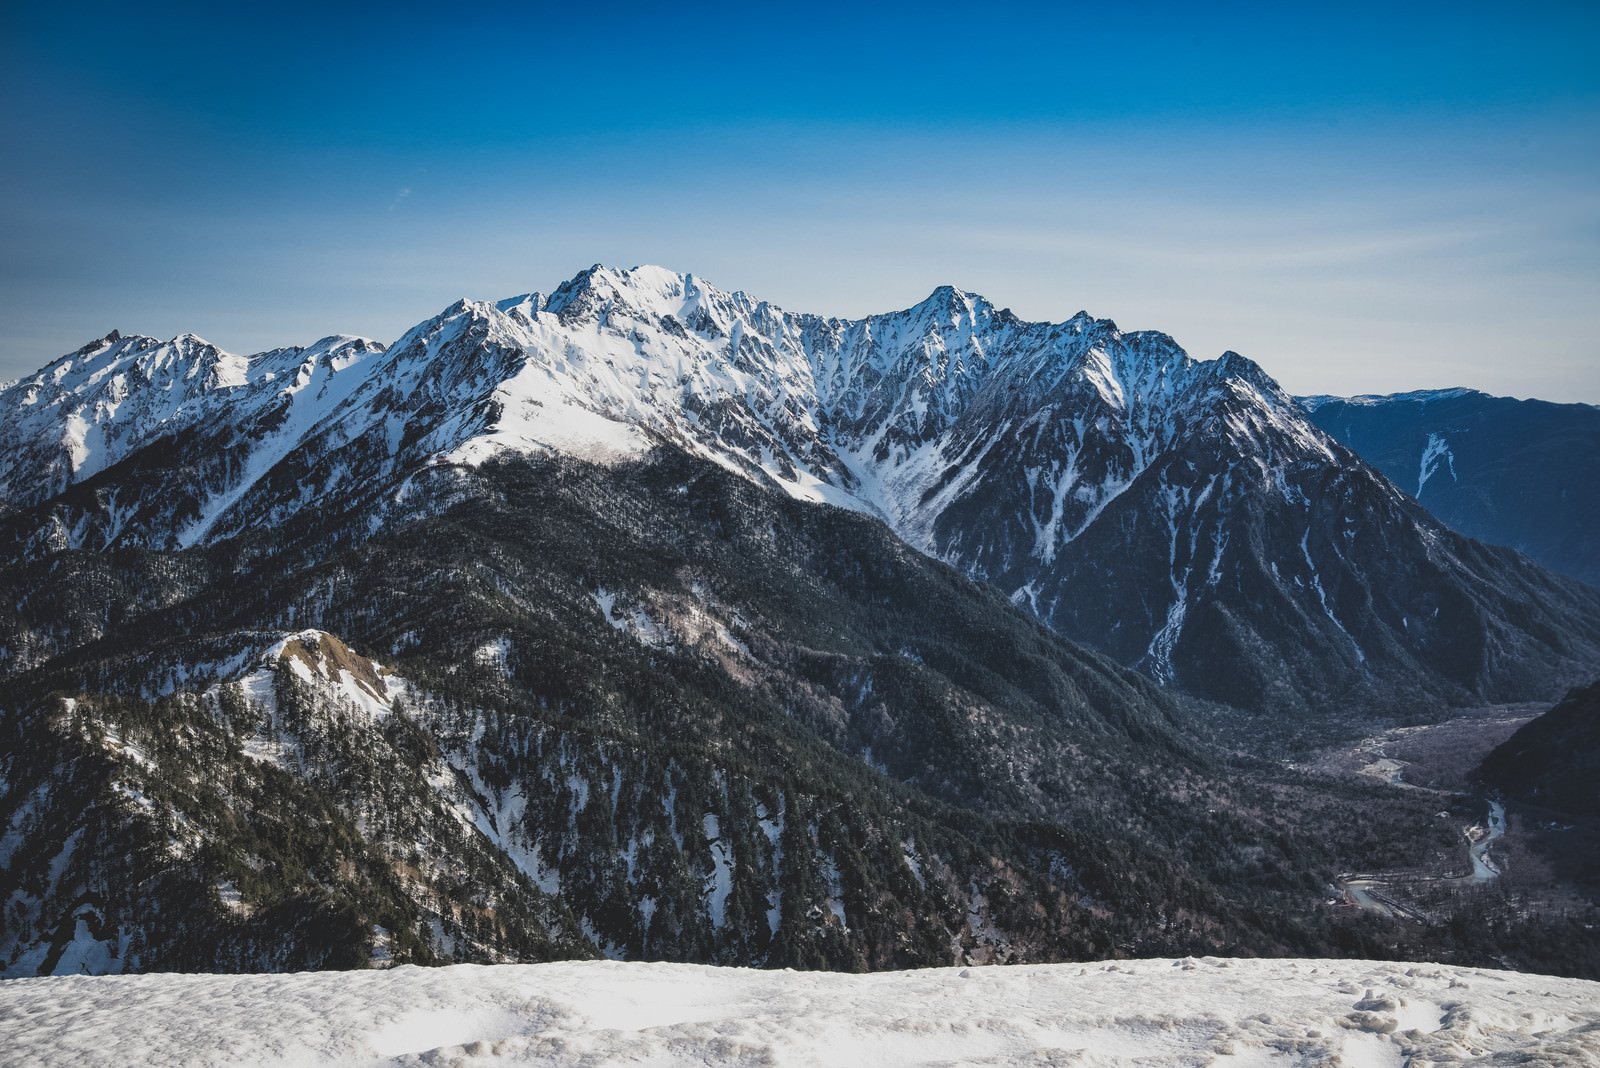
x,y
1207,1011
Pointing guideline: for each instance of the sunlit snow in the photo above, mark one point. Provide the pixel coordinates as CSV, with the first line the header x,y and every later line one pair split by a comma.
x,y
1152,1012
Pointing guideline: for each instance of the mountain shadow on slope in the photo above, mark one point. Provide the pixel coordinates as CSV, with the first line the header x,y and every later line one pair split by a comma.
x,y
1552,761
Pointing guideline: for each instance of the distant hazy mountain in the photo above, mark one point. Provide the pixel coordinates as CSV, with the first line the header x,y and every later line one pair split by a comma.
x,y
1523,473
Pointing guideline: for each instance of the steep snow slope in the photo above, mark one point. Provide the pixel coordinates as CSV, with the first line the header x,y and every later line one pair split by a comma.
x,y
1170,1012
1183,516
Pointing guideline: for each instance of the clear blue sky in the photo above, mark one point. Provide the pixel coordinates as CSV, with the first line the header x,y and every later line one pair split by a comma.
x,y
1358,199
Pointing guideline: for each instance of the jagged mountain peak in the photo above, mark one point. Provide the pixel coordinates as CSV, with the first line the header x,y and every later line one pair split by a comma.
x,y
952,335
1244,377
110,338
525,305
643,291
950,299
184,356
868,413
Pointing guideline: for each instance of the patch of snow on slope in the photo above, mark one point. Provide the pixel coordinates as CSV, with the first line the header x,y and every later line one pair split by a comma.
x,y
720,883
637,623
88,955
494,654
1436,450
828,868
320,659
1161,646
771,824
909,849
529,421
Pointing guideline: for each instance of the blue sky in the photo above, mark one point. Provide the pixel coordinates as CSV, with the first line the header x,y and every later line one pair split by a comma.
x,y
1360,200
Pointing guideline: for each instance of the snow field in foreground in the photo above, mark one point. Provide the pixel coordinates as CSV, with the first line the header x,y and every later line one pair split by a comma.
x,y
1207,1011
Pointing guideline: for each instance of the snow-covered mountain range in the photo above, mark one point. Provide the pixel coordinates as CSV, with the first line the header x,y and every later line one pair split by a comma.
x,y
1184,516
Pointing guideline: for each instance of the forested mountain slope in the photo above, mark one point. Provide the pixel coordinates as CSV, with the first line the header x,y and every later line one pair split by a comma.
x,y
651,710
